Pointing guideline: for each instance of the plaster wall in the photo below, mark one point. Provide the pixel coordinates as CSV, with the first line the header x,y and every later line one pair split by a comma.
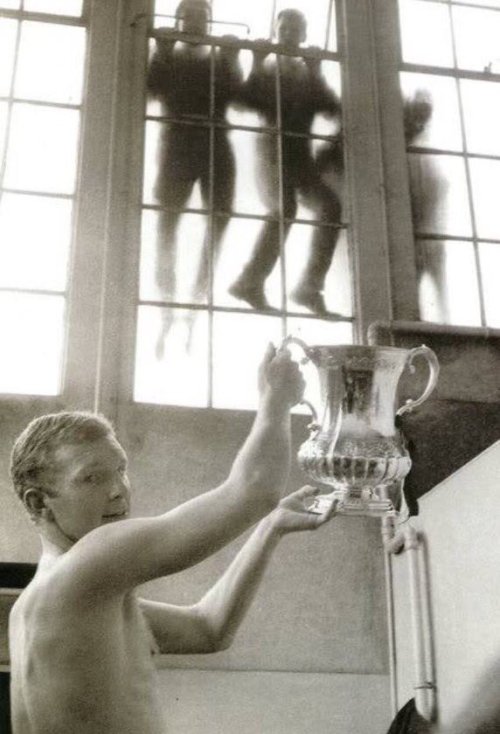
x,y
459,524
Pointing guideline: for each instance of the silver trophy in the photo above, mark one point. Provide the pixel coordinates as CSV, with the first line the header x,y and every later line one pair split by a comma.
x,y
354,445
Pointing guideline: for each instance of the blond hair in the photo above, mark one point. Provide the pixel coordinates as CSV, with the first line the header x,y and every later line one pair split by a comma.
x,y
32,457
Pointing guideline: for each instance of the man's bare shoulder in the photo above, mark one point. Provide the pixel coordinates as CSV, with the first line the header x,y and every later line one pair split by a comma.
x,y
55,591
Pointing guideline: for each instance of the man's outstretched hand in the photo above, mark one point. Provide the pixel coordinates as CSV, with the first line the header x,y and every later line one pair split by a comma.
x,y
293,514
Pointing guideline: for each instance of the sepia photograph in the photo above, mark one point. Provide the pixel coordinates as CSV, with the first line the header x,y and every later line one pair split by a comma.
x,y
250,367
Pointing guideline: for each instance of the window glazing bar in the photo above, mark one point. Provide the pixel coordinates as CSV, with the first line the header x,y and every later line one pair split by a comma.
x,y
23,15
271,48
235,309
479,278
206,122
208,251
447,71
28,192
243,215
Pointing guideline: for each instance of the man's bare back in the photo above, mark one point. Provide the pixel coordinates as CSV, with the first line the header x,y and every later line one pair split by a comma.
x,y
81,668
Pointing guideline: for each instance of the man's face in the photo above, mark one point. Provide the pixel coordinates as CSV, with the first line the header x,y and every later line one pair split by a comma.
x,y
290,30
194,19
91,484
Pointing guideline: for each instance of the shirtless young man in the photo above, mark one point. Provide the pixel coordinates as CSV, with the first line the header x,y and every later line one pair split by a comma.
x,y
81,640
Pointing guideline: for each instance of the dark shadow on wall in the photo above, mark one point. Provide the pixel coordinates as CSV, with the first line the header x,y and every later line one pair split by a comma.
x,y
12,576
462,417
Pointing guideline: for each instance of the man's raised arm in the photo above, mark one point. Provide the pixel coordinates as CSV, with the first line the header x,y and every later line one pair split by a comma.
x,y
210,625
125,554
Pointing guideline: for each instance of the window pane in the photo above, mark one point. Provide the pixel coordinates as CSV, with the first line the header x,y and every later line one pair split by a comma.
x,y
448,283
439,194
256,15
316,21
176,161
317,260
489,3
174,370
10,4
31,334
239,114
256,189
172,267
425,33
239,345
332,34
35,235
489,254
442,129
8,30
165,8
58,7
325,122
476,34
40,74
316,331
176,91
181,79
248,265
481,103
151,160
485,176
42,153
238,251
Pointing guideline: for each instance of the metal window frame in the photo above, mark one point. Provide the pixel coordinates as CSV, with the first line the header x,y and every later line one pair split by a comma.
x,y
458,74
21,15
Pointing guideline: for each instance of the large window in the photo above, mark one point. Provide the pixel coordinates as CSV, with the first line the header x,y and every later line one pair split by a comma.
x,y
450,59
131,213
238,215
40,110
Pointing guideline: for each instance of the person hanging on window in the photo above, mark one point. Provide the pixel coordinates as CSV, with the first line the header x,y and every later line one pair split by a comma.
x,y
81,640
427,187
180,77
304,94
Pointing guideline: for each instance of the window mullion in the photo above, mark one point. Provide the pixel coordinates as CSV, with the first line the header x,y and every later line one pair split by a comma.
x,y
364,166
119,336
402,261
88,266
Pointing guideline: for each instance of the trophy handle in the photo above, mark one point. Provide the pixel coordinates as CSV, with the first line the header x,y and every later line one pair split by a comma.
x,y
295,340
433,363
314,426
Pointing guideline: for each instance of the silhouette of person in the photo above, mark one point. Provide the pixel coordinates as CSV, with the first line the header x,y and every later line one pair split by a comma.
x,y
304,93
417,111
427,186
180,77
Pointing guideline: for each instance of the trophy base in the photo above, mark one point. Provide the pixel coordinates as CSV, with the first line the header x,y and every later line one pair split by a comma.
x,y
365,504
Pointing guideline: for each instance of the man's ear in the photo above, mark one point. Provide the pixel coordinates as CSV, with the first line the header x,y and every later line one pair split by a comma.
x,y
35,501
